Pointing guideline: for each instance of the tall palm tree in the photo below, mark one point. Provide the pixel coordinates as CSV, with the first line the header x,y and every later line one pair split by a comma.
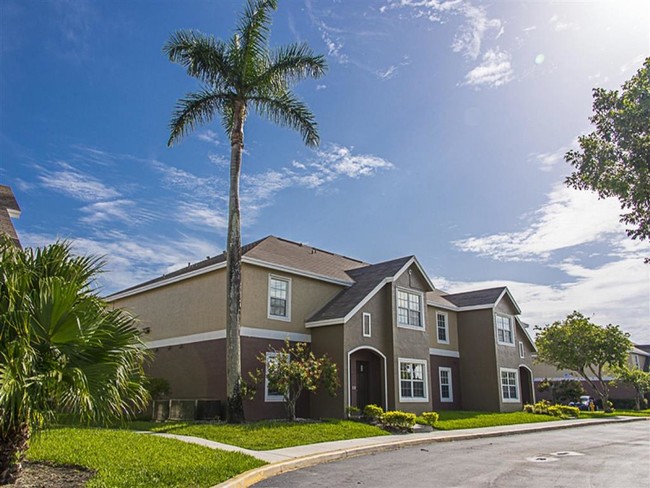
x,y
62,348
238,75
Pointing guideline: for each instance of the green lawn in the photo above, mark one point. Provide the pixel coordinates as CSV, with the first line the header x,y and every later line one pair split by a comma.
x,y
457,419
615,413
265,435
128,459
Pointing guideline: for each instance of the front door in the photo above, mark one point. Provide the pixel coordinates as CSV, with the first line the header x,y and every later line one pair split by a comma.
x,y
363,384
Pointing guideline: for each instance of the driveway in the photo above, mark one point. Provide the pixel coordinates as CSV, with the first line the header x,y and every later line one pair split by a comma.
x,y
608,456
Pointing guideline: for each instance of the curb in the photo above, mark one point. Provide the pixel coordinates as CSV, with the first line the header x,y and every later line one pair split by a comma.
x,y
256,475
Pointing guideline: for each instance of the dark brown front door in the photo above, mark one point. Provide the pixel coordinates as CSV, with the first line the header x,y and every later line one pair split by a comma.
x,y
363,384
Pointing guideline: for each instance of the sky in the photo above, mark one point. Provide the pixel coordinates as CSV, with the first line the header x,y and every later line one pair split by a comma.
x,y
443,129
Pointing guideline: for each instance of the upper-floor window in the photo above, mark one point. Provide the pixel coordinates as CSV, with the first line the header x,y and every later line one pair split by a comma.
x,y
521,350
413,380
442,322
409,309
367,325
509,385
505,334
279,298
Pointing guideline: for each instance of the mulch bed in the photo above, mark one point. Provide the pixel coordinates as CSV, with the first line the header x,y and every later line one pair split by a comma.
x,y
44,475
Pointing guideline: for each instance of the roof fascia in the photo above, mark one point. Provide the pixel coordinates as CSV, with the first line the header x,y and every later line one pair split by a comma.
x,y
408,264
525,330
476,307
323,323
512,299
451,307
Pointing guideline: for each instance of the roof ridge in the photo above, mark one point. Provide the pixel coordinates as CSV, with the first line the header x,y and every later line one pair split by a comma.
x,y
319,250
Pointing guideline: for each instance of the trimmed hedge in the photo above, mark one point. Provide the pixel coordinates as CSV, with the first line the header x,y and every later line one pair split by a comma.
x,y
397,419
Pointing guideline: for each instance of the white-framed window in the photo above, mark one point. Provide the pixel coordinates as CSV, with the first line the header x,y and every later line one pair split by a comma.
x,y
413,380
279,298
442,326
637,363
367,325
271,393
409,309
509,385
521,350
446,390
505,334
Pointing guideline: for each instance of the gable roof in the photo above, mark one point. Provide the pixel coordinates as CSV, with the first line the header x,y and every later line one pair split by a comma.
x,y
366,281
489,296
8,209
280,253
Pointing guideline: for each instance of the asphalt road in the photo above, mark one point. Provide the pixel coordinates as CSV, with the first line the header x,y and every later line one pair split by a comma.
x,y
607,456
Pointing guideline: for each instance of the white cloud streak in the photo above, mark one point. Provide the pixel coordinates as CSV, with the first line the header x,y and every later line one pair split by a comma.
x,y
75,184
494,70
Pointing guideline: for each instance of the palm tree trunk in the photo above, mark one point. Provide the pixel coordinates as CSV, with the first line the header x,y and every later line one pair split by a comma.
x,y
235,405
13,446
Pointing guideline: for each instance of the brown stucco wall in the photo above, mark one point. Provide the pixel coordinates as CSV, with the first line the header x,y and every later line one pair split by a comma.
x,y
453,363
329,340
307,296
190,306
479,382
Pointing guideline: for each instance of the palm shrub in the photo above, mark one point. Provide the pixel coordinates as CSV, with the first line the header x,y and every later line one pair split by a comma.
x,y
237,76
62,348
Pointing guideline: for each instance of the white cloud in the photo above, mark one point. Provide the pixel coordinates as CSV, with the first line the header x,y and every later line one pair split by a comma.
x,y
320,87
219,160
559,25
203,215
132,259
209,136
477,24
616,292
199,187
495,70
547,161
122,210
569,218
388,73
75,184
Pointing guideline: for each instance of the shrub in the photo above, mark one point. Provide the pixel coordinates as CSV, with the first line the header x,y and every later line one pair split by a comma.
x,y
563,411
373,412
352,412
397,419
428,418
528,408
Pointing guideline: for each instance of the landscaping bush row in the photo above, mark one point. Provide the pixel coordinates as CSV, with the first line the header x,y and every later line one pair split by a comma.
x,y
392,420
544,407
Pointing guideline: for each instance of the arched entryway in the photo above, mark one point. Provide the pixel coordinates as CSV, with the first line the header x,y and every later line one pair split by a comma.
x,y
527,386
366,377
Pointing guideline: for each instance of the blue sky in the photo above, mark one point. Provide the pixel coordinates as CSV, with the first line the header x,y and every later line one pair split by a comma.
x,y
443,128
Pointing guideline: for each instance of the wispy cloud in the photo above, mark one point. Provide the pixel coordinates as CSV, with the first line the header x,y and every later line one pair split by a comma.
x,y
122,210
388,73
549,160
201,214
495,67
209,136
132,260
495,70
569,218
198,186
76,184
560,25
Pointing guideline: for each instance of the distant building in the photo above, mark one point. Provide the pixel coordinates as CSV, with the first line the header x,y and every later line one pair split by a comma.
x,y
9,209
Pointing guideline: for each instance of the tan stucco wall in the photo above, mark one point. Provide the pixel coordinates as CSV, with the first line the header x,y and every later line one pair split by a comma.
x,y
190,306
452,320
480,382
307,296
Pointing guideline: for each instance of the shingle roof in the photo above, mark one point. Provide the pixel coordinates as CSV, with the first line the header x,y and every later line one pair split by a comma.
x,y
366,279
489,296
277,251
8,203
438,297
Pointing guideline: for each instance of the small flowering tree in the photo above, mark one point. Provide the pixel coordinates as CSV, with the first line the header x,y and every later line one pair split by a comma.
x,y
293,369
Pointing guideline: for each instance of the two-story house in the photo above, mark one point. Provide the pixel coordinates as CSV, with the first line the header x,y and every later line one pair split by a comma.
x,y
397,340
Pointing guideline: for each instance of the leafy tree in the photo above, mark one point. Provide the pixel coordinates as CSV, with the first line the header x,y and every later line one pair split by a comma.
x,y
236,76
637,379
585,348
563,391
614,160
295,369
62,348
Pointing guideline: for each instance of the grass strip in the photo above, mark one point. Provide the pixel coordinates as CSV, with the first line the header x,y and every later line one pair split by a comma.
x,y
128,459
269,434
452,420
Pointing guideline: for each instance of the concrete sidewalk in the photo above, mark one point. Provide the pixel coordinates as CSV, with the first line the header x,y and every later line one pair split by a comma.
x,y
291,458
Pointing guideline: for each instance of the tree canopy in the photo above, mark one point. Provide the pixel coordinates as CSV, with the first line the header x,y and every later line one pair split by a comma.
x,y
614,160
579,345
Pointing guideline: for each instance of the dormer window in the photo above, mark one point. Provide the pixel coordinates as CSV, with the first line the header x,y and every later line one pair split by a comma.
x,y
279,298
409,309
